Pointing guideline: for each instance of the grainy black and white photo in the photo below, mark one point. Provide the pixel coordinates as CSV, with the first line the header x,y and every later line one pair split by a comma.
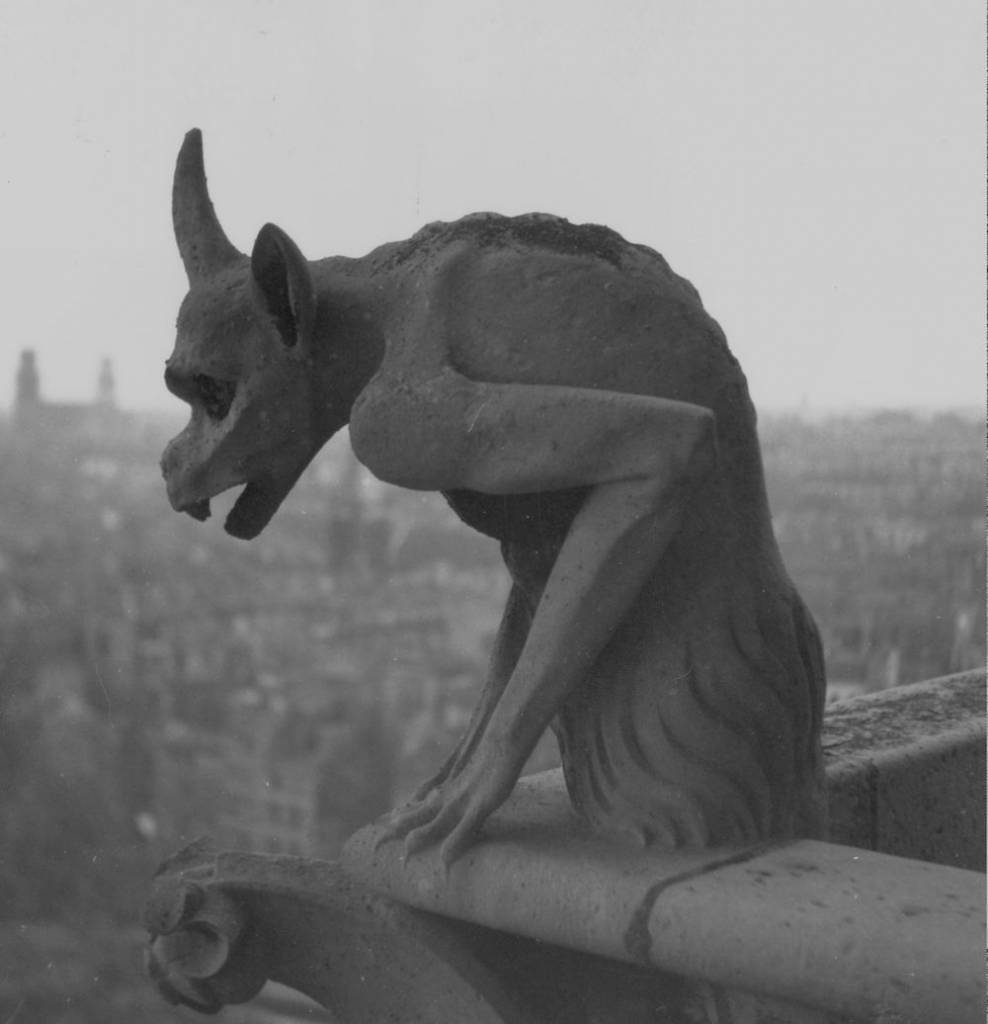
x,y
492,512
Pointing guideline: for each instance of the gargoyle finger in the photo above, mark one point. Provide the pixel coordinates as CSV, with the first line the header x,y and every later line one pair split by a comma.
x,y
462,836
446,820
400,821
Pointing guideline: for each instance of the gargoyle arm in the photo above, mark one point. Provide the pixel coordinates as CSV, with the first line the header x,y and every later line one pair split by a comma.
x,y
642,458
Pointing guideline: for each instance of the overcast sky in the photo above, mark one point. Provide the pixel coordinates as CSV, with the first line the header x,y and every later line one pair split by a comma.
x,y
815,168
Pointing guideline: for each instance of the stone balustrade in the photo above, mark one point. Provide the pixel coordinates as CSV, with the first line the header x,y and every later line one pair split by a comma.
x,y
544,922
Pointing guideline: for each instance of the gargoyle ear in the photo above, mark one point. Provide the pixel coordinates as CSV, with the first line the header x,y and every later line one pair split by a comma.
x,y
284,285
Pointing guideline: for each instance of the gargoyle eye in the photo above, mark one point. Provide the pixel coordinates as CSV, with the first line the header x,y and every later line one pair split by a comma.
x,y
215,395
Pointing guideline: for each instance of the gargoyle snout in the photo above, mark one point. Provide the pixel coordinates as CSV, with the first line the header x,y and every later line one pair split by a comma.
x,y
168,460
175,470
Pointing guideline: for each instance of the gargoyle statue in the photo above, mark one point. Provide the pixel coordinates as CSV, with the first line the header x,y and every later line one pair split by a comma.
x,y
569,395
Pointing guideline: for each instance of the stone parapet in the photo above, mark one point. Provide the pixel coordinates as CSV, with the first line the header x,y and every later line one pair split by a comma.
x,y
543,920
223,924
814,926
906,771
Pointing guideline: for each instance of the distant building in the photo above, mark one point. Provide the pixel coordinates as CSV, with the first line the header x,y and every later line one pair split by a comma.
x,y
106,388
99,419
28,384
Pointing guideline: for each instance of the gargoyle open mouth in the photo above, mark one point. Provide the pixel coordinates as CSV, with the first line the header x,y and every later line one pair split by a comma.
x,y
253,509
251,512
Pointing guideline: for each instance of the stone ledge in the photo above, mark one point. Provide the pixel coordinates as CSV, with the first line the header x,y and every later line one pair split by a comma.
x,y
848,932
844,931
906,771
223,923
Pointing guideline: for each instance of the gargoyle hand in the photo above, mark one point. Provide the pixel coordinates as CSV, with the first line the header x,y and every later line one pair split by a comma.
x,y
455,809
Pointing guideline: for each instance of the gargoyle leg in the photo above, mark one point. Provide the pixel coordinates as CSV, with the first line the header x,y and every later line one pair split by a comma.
x,y
642,456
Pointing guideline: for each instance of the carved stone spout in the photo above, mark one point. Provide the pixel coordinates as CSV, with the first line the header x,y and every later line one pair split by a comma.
x,y
222,924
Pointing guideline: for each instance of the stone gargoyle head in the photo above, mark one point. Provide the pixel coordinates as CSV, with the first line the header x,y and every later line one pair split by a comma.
x,y
243,360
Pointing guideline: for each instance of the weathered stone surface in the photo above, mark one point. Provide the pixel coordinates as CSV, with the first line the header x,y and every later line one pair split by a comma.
x,y
572,397
222,924
552,922
561,985
845,931
811,923
906,771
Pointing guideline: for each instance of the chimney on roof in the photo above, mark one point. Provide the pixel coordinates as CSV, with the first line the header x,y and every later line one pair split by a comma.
x,y
28,383
106,391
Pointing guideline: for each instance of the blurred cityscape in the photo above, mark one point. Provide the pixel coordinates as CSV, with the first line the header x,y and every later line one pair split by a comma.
x,y
160,681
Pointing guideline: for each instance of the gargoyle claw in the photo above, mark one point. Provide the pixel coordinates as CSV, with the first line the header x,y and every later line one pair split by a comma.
x,y
458,832
398,823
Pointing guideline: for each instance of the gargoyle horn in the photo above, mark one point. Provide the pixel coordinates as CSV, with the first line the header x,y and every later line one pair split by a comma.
x,y
202,244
